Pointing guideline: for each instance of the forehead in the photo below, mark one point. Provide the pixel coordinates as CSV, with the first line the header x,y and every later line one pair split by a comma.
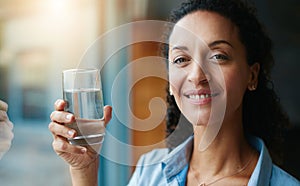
x,y
205,26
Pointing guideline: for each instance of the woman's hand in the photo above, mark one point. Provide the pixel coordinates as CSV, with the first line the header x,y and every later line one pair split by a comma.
x,y
78,157
6,134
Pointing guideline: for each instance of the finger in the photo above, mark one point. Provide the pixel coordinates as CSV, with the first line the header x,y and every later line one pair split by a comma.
x,y
5,131
62,117
3,106
3,115
60,145
61,130
59,105
10,124
7,123
107,114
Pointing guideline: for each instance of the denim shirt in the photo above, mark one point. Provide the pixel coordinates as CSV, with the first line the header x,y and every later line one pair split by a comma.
x,y
161,167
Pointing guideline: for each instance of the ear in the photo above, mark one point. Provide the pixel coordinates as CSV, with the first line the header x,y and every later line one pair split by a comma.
x,y
253,79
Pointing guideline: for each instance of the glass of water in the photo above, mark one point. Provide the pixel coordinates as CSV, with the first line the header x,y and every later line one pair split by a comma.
x,y
83,94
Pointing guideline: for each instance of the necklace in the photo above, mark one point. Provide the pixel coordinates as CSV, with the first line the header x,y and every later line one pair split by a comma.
x,y
227,176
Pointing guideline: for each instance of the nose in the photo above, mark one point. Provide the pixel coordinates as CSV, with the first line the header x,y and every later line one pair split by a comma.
x,y
197,75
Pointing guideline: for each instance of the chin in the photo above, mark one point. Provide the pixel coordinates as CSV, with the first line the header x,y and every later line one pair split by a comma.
x,y
198,120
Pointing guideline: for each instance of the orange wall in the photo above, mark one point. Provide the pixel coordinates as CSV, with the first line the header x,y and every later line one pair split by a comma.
x,y
142,92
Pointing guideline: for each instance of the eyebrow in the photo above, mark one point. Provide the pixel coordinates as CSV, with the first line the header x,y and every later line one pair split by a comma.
x,y
215,43
212,44
180,48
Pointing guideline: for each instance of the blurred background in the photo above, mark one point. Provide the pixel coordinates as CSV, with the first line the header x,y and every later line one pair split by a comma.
x,y
40,38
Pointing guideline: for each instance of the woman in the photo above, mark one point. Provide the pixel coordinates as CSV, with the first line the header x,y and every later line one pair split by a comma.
x,y
219,65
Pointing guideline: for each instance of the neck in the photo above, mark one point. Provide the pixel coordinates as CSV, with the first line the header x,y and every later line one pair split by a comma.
x,y
228,152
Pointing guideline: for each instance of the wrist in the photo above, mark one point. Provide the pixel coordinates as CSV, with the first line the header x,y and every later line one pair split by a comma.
x,y
86,176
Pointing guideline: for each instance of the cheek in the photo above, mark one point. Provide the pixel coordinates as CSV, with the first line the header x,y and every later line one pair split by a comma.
x,y
233,82
177,78
235,86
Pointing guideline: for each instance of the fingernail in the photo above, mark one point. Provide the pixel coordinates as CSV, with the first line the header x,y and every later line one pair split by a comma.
x,y
68,116
57,102
71,133
83,150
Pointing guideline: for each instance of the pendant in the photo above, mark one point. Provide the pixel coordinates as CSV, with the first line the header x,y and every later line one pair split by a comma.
x,y
202,184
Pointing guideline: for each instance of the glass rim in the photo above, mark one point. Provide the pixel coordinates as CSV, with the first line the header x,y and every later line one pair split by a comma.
x,y
80,70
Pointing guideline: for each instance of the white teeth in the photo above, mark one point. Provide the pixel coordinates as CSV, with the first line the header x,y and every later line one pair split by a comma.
x,y
202,96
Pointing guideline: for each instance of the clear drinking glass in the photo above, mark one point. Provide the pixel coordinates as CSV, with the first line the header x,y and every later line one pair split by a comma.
x,y
83,93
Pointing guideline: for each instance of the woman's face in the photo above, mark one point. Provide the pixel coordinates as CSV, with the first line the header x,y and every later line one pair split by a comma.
x,y
208,70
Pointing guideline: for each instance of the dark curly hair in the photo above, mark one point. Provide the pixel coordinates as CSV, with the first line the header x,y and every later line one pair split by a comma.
x,y
263,115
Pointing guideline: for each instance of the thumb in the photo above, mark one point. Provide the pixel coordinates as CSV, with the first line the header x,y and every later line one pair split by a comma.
x,y
107,114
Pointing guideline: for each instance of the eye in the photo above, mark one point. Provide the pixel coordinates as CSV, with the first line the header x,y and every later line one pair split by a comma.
x,y
181,60
219,58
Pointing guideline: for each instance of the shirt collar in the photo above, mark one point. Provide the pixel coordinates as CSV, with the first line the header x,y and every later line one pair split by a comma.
x,y
178,159
262,172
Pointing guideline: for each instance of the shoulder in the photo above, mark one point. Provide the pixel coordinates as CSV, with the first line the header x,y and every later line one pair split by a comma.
x,y
148,169
280,177
266,172
153,157
158,166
